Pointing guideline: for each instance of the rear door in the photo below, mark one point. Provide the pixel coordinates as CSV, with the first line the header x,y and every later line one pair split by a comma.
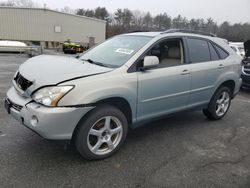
x,y
206,67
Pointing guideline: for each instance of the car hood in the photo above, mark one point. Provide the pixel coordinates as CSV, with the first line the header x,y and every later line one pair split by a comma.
x,y
247,48
50,70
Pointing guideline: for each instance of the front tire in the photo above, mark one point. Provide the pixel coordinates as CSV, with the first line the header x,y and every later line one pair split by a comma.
x,y
101,133
219,104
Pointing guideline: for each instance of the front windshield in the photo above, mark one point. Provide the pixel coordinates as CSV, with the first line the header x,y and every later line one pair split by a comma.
x,y
117,50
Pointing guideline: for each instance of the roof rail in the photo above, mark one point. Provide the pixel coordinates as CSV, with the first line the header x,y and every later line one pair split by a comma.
x,y
188,31
137,31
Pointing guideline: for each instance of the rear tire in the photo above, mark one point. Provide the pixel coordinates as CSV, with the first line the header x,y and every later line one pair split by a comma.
x,y
219,104
101,133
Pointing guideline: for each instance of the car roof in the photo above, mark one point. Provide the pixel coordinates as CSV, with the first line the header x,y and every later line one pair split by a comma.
x,y
162,34
220,41
165,34
146,34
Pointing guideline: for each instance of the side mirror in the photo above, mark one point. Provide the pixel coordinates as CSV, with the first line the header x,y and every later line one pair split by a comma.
x,y
150,62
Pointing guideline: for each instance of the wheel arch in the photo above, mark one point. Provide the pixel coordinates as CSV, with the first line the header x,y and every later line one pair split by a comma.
x,y
118,102
230,84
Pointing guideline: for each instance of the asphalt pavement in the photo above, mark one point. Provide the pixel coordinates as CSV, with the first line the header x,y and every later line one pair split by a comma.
x,y
185,150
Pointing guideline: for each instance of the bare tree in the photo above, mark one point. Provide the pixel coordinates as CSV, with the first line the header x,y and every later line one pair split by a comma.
x,y
7,3
26,3
68,10
20,3
137,19
148,20
162,21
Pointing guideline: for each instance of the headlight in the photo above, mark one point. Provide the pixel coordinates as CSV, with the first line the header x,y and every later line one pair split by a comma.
x,y
50,96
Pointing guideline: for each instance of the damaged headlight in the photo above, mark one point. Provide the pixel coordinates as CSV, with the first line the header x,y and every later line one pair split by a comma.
x,y
50,96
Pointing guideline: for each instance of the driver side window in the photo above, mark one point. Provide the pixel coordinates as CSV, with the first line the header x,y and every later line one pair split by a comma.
x,y
170,52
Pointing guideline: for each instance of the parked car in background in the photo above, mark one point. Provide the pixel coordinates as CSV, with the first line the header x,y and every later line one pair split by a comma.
x,y
238,47
237,50
12,46
19,47
124,82
245,75
242,51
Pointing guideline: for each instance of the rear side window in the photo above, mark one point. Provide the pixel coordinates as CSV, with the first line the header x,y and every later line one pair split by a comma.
x,y
214,54
198,50
223,54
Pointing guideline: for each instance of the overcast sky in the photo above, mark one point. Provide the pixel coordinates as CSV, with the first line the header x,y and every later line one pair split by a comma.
x,y
220,10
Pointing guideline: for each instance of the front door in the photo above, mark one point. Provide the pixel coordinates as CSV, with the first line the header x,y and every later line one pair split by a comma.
x,y
166,88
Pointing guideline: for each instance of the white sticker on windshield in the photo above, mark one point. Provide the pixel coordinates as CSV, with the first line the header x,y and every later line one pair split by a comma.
x,y
124,51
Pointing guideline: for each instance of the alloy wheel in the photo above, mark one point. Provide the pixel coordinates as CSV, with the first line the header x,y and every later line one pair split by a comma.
x,y
105,135
222,103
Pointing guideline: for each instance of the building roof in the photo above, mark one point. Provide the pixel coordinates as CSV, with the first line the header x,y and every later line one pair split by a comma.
x,y
55,11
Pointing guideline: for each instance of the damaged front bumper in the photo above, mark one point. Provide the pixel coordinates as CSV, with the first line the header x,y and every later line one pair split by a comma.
x,y
56,123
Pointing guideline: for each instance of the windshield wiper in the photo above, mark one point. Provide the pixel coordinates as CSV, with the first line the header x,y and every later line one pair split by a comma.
x,y
95,62
98,63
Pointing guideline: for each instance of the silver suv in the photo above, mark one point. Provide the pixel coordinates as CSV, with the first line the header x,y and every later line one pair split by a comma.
x,y
124,82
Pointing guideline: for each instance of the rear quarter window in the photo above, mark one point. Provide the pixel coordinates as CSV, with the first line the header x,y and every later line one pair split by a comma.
x,y
222,53
213,53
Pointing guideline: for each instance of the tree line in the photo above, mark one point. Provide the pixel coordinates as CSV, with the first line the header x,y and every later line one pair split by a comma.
x,y
126,20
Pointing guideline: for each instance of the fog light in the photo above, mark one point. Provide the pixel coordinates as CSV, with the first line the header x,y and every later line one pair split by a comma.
x,y
34,120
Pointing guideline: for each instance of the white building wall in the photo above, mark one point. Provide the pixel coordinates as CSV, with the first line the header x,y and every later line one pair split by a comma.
x,y
39,25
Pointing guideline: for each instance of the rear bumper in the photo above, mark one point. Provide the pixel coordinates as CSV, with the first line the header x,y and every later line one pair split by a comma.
x,y
56,123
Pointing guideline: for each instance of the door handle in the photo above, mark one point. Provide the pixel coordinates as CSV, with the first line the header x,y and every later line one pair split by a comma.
x,y
221,66
185,72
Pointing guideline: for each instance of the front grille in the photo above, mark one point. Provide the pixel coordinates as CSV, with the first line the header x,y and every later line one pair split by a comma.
x,y
15,106
22,82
